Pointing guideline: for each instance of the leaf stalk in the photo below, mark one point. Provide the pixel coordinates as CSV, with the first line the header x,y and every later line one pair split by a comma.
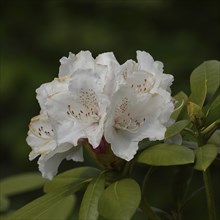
x,y
208,184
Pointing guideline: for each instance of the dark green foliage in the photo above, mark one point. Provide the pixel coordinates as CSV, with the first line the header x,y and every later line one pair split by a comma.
x,y
36,34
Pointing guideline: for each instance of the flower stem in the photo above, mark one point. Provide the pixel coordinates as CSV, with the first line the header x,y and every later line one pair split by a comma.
x,y
209,195
207,132
125,171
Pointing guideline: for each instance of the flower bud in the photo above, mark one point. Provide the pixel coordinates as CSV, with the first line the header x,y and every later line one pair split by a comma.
x,y
105,157
195,114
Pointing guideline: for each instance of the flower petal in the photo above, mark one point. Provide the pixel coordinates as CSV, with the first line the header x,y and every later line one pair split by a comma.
x,y
45,91
82,60
145,62
70,132
122,144
66,67
112,69
41,136
154,131
76,154
85,79
48,164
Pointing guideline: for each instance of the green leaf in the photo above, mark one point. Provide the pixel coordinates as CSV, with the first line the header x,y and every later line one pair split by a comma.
x,y
214,100
89,205
166,155
75,175
21,183
181,99
205,80
213,76
214,111
176,128
60,210
205,155
215,103
4,203
47,204
198,86
120,200
209,131
215,139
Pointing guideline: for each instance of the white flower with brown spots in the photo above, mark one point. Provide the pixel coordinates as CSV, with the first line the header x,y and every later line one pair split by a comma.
x,y
133,118
146,76
141,107
98,99
73,108
42,139
81,111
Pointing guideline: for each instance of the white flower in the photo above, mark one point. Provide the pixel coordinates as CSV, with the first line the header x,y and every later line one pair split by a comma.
x,y
66,67
82,60
133,118
141,107
40,136
105,65
77,100
112,69
80,112
48,164
42,139
47,90
146,76
73,107
97,98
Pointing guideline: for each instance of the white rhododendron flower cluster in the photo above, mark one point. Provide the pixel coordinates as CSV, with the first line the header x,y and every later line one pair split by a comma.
x,y
96,100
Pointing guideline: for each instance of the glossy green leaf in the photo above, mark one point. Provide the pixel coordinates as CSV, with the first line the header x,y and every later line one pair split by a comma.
x,y
205,155
212,101
176,128
48,204
75,175
120,200
213,76
215,103
205,80
21,183
181,100
60,210
215,139
89,205
198,86
214,111
166,155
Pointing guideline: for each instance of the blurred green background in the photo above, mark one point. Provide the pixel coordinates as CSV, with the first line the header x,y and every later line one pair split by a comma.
x,y
36,34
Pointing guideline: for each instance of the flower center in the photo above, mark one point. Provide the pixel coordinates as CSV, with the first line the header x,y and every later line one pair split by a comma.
x,y
41,129
141,82
125,119
128,123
